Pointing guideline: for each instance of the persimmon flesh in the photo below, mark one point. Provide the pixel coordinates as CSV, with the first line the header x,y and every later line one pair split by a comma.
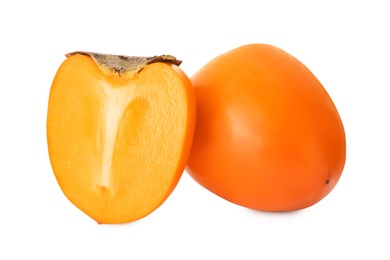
x,y
119,132
267,136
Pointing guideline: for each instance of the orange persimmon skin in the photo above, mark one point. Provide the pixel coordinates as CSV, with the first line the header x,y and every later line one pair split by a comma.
x,y
118,144
267,135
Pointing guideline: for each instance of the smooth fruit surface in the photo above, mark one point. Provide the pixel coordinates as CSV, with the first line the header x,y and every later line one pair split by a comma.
x,y
267,136
119,139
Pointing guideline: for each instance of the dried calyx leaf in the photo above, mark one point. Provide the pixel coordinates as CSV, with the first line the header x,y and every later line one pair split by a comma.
x,y
120,64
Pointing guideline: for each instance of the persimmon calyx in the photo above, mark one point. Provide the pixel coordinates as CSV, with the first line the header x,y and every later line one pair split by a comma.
x,y
124,65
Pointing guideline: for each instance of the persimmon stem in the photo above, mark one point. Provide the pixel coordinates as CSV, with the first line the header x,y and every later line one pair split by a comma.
x,y
120,64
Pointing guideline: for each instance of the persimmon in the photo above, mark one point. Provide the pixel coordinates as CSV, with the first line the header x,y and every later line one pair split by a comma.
x,y
268,136
119,132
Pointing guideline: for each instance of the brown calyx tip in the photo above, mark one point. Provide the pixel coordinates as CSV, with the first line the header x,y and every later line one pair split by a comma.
x,y
122,63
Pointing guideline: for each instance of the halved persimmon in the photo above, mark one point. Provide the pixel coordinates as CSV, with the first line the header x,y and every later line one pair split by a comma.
x,y
119,131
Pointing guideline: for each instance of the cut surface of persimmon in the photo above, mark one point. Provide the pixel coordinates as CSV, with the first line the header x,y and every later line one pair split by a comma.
x,y
119,131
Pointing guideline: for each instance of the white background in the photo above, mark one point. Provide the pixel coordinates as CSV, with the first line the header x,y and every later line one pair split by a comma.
x,y
345,43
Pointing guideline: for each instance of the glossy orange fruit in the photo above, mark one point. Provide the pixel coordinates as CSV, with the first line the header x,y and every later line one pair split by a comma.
x,y
267,136
119,131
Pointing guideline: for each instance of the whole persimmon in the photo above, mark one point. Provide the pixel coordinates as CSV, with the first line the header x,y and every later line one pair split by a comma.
x,y
267,136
